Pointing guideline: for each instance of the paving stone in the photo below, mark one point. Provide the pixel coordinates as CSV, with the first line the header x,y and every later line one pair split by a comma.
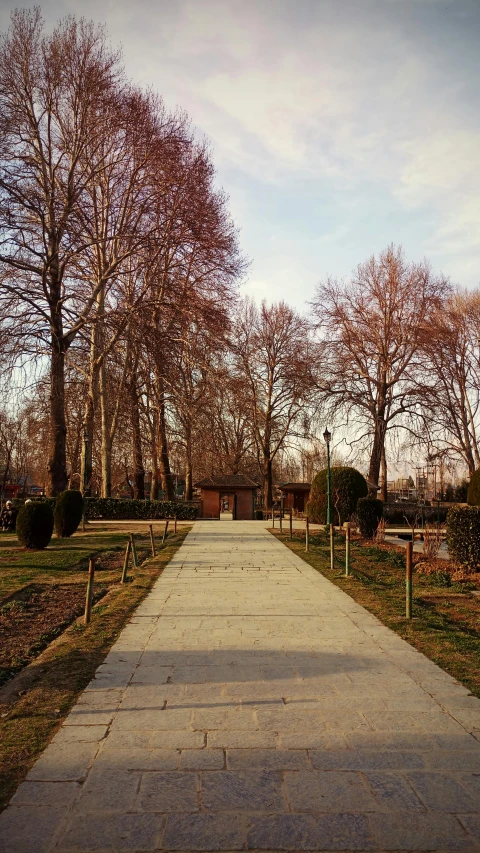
x,y
109,790
392,792
267,759
139,759
413,831
356,760
204,832
24,829
177,739
63,762
230,791
46,794
242,739
80,734
328,791
202,759
471,822
168,792
119,832
308,832
443,792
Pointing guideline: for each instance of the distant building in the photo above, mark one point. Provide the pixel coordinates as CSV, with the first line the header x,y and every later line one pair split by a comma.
x,y
296,495
227,493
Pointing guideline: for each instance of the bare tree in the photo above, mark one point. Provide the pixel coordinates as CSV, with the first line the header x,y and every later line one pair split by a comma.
x,y
274,353
372,328
54,90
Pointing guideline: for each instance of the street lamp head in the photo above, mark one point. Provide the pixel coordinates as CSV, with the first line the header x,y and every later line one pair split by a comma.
x,y
327,436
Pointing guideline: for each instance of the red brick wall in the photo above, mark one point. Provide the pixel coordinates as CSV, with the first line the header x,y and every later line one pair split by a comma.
x,y
244,505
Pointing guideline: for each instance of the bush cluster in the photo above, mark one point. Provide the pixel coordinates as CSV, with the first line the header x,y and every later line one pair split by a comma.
x,y
369,513
35,525
68,512
347,486
463,535
112,509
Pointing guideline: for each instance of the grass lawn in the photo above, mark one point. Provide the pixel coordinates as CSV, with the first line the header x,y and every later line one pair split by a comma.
x,y
446,616
34,702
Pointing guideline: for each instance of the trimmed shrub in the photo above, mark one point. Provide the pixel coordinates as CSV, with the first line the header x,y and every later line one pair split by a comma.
x,y
128,509
35,526
369,513
463,535
473,492
68,512
347,486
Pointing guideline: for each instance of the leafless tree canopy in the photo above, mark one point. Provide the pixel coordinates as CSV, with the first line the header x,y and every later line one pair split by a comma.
x,y
130,363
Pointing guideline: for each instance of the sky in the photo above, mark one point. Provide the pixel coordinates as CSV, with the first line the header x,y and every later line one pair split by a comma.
x,y
336,126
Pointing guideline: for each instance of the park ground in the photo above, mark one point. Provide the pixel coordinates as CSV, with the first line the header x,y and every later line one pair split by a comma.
x,y
47,654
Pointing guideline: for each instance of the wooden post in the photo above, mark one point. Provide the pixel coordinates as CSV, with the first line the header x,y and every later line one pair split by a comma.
x,y
165,531
134,551
408,580
175,523
347,550
88,602
291,524
125,562
307,534
273,517
332,546
152,541
281,520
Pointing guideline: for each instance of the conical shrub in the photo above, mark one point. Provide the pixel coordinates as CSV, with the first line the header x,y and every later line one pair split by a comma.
x,y
35,526
68,512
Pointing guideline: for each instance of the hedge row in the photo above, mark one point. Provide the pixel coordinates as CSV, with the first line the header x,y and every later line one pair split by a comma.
x,y
113,509
396,513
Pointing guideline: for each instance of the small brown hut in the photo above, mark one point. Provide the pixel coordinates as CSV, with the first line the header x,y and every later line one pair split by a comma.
x,y
227,493
296,495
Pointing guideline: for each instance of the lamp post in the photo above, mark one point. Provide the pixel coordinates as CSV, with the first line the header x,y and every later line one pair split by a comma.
x,y
326,437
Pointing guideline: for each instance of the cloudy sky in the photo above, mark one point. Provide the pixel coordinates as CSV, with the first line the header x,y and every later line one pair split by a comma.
x,y
337,126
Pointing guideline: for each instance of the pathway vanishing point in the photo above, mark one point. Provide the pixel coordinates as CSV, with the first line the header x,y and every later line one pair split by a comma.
x,y
252,705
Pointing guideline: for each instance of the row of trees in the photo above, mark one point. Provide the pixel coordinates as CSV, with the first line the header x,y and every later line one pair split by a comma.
x,y
121,329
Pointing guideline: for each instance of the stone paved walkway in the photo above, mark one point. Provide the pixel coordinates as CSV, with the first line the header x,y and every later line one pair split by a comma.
x,y
252,705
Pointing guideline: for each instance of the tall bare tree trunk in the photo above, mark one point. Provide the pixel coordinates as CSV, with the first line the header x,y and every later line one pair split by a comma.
x,y
57,464
164,461
384,493
188,465
138,469
153,422
267,480
106,440
86,468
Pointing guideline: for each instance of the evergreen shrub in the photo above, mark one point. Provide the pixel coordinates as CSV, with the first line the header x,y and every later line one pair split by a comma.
x,y
473,491
35,525
347,486
463,536
128,509
369,513
68,512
